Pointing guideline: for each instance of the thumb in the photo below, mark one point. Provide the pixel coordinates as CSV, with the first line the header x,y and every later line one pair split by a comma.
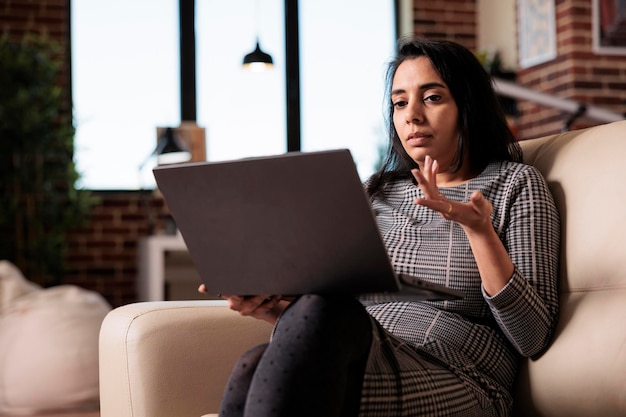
x,y
480,202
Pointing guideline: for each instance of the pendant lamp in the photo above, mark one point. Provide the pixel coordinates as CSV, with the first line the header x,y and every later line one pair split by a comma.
x,y
257,60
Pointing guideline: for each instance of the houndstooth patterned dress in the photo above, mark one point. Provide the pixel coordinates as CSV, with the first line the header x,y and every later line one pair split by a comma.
x,y
459,358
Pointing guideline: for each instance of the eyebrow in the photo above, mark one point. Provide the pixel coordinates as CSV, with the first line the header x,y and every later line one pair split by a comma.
x,y
421,87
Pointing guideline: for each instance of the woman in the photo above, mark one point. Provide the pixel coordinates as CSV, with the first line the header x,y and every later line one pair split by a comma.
x,y
454,206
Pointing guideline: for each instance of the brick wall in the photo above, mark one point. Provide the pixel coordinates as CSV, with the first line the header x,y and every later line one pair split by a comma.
x,y
453,20
48,18
103,254
577,73
44,17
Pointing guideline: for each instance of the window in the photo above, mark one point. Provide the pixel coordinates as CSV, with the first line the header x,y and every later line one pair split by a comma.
x,y
344,46
125,73
125,84
242,111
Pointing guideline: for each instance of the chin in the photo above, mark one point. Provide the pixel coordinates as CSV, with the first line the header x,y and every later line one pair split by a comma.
x,y
418,158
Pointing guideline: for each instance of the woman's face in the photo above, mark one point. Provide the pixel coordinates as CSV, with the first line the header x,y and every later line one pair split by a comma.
x,y
425,114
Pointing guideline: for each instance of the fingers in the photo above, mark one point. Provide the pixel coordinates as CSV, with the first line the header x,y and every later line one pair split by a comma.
x,y
431,169
473,214
477,208
446,208
426,178
247,306
481,204
252,305
427,182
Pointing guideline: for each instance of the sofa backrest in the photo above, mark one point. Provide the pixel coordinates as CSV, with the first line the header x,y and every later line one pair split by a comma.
x,y
583,372
586,172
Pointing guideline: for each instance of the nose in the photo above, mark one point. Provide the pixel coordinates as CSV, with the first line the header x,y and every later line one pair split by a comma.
x,y
414,113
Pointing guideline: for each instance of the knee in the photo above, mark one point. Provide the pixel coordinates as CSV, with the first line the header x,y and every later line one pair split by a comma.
x,y
330,316
247,363
330,307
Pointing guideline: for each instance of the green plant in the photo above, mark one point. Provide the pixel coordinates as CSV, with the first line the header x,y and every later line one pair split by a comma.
x,y
40,203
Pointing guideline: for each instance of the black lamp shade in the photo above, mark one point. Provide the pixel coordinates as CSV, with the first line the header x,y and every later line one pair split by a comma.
x,y
257,59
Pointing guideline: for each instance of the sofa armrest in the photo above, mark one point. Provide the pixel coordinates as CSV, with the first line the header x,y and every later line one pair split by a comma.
x,y
171,358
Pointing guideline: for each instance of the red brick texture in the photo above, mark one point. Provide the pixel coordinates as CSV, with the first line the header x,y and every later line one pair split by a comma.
x,y
49,18
103,254
577,73
453,20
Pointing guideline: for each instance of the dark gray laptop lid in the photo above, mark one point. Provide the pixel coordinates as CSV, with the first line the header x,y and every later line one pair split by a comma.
x,y
290,224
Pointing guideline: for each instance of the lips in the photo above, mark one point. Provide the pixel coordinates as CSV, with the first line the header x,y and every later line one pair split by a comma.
x,y
418,139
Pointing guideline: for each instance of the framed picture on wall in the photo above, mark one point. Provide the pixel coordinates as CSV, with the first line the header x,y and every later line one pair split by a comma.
x,y
536,25
609,26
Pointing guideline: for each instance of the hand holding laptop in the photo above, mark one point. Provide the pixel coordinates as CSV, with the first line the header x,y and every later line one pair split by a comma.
x,y
263,307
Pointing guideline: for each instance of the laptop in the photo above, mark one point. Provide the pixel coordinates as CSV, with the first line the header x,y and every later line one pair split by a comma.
x,y
291,224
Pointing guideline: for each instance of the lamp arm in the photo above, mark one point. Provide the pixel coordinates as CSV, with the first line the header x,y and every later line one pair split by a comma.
x,y
510,89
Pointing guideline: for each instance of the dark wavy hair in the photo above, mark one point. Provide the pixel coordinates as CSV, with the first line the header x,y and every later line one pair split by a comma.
x,y
484,131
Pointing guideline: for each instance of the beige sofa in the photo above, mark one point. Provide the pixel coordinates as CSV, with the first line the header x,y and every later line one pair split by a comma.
x,y
171,359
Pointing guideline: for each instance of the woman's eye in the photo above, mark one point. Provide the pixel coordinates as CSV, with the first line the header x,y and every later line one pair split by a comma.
x,y
399,103
433,97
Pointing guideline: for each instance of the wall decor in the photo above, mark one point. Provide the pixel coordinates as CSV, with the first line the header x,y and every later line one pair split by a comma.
x,y
609,26
536,26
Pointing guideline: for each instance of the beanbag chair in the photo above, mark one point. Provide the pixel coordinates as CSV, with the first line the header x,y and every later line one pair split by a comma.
x,y
48,345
